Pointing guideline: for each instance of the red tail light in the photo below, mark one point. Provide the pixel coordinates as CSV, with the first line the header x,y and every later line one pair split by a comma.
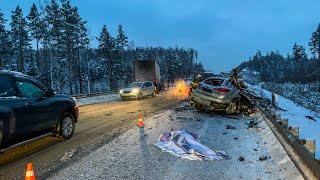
x,y
222,90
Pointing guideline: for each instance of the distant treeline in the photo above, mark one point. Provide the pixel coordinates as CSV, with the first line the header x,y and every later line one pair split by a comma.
x,y
51,43
295,67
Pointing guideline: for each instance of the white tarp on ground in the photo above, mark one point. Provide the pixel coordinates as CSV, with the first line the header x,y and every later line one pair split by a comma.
x,y
184,144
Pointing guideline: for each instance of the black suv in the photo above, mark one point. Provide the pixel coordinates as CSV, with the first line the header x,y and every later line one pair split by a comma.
x,y
28,109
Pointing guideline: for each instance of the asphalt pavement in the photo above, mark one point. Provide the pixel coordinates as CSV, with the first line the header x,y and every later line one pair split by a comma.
x,y
98,125
133,154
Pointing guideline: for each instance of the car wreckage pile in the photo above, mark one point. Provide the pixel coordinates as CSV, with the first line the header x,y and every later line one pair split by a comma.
x,y
228,94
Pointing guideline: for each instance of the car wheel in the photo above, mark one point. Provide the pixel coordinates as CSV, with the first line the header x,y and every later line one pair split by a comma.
x,y
123,98
67,126
191,103
199,107
231,108
139,97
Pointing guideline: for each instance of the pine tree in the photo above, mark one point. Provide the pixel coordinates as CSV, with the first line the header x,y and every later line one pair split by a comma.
x,y
52,42
315,49
315,42
122,71
36,27
106,51
299,53
20,37
121,40
82,43
5,45
70,23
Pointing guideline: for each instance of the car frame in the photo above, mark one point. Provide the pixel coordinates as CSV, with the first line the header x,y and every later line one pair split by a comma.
x,y
28,109
216,93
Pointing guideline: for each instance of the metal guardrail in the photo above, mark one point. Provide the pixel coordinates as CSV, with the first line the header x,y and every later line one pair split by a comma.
x,y
301,151
92,94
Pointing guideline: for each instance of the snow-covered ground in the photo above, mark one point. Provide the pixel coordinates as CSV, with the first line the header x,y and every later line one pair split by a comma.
x,y
307,95
133,155
98,99
308,129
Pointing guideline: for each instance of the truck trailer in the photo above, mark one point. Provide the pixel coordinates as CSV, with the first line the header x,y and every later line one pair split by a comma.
x,y
147,70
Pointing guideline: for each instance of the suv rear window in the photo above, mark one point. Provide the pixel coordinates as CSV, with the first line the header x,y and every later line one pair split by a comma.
x,y
6,89
214,82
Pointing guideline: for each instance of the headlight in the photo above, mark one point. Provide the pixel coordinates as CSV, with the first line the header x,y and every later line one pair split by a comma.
x,y
135,91
121,91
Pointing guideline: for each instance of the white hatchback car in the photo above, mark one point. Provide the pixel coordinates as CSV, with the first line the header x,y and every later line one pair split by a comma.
x,y
138,90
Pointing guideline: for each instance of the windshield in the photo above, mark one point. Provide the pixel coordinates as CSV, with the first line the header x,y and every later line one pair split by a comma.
x,y
135,84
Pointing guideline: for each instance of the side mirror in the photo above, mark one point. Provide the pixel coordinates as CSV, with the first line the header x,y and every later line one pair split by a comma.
x,y
51,92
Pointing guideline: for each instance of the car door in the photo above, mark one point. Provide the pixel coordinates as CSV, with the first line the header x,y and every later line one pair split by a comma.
x,y
36,108
9,105
150,88
145,89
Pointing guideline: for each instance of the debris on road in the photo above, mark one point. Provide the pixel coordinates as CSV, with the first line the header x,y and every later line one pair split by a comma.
x,y
230,127
263,158
68,155
241,158
108,114
251,123
184,144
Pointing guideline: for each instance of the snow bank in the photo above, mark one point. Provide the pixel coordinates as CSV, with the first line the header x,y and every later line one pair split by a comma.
x,y
309,129
98,99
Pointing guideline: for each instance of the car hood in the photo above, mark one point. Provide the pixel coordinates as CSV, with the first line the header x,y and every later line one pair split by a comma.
x,y
129,89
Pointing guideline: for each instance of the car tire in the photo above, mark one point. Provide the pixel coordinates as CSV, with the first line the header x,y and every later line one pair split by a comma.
x,y
199,107
67,126
191,103
232,108
139,97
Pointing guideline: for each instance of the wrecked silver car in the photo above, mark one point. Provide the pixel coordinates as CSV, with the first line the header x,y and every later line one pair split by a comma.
x,y
216,93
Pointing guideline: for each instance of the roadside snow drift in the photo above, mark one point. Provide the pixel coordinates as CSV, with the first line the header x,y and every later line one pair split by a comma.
x,y
296,115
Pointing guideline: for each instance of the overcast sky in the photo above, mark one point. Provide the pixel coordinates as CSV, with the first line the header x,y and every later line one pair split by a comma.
x,y
225,32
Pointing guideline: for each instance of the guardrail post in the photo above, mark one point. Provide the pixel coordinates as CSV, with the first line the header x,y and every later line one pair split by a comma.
x,y
283,122
272,112
310,145
294,131
278,116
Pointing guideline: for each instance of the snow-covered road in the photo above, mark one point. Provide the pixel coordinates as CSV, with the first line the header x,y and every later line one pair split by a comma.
x,y
134,156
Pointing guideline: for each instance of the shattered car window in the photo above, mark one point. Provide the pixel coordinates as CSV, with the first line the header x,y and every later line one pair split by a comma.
x,y
214,82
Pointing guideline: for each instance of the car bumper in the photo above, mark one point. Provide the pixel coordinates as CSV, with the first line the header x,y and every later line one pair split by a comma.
x,y
208,101
76,113
220,99
129,95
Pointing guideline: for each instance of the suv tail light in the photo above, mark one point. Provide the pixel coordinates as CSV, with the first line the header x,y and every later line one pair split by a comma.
x,y
222,90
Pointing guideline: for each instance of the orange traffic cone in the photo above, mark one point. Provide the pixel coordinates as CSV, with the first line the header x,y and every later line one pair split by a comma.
x,y
140,121
29,173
